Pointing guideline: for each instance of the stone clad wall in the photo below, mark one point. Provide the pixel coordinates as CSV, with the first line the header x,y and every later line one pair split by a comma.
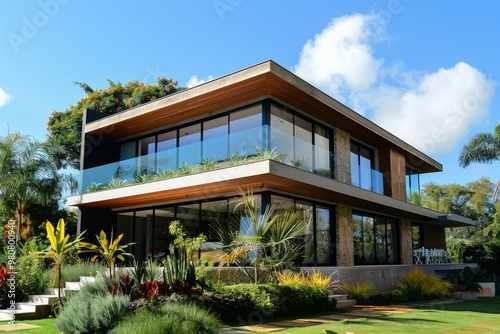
x,y
406,241
345,242
342,151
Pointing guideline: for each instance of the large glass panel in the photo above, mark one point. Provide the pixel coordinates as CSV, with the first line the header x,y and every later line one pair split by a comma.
x,y
143,233
211,212
127,165
380,240
282,204
190,144
323,234
416,236
215,139
365,168
322,151
245,128
189,216
282,133
167,152
392,238
161,236
413,186
303,144
368,240
125,226
305,213
147,157
357,223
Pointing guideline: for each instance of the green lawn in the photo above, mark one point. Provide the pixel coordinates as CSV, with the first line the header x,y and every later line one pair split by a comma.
x,y
477,316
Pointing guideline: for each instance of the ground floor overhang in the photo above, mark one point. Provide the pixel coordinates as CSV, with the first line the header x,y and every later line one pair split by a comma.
x,y
262,175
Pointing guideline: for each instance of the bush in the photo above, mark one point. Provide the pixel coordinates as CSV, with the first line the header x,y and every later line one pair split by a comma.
x,y
231,306
275,300
84,313
170,318
357,290
29,278
420,285
72,273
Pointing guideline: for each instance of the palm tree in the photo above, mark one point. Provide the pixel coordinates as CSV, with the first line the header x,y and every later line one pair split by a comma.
x,y
483,148
260,238
27,175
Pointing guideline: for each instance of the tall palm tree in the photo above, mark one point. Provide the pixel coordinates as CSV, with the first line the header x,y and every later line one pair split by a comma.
x,y
483,148
27,175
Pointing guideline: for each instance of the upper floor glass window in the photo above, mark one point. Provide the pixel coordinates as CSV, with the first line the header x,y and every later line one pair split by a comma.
x,y
362,162
413,186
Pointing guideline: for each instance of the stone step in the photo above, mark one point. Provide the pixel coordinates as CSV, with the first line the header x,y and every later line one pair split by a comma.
x,y
346,303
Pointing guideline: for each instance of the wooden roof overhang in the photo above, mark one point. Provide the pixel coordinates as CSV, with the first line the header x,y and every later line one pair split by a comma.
x,y
255,83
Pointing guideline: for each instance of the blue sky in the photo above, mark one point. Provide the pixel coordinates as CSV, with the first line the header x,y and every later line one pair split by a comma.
x,y
427,71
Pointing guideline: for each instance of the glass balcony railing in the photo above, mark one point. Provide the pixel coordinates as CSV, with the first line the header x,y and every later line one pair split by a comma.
x,y
219,152
370,180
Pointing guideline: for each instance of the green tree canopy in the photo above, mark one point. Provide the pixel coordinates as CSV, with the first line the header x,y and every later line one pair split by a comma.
x,y
473,200
65,127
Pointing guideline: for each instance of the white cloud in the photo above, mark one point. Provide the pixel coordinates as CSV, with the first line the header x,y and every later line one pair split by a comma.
x,y
431,111
340,58
194,81
4,98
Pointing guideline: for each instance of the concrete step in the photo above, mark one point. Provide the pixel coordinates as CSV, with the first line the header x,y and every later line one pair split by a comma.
x,y
18,314
44,299
338,297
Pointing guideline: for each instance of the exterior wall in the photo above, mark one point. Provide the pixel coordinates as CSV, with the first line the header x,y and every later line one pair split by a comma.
x,y
342,151
393,166
406,241
434,236
345,243
92,221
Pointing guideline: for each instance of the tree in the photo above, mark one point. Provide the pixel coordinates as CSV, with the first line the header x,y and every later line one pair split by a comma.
x,y
109,250
27,175
483,148
61,249
65,127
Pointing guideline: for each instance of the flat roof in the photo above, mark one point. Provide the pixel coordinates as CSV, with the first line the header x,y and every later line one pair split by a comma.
x,y
266,79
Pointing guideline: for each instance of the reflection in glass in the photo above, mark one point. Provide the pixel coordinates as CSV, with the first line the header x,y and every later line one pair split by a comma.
x,y
305,214
323,234
322,151
282,132
167,155
143,232
357,223
147,148
215,139
245,130
161,235
303,155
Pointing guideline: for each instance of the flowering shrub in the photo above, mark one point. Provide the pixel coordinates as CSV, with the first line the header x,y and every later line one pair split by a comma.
x,y
29,279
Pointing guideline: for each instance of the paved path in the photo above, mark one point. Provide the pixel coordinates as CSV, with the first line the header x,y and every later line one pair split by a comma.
x,y
354,312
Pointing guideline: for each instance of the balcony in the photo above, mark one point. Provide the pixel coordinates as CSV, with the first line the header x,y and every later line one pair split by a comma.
x,y
246,146
371,180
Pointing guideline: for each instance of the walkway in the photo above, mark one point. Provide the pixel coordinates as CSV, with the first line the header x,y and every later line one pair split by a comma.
x,y
354,312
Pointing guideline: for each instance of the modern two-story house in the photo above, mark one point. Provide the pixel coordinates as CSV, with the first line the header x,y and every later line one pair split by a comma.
x,y
266,129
